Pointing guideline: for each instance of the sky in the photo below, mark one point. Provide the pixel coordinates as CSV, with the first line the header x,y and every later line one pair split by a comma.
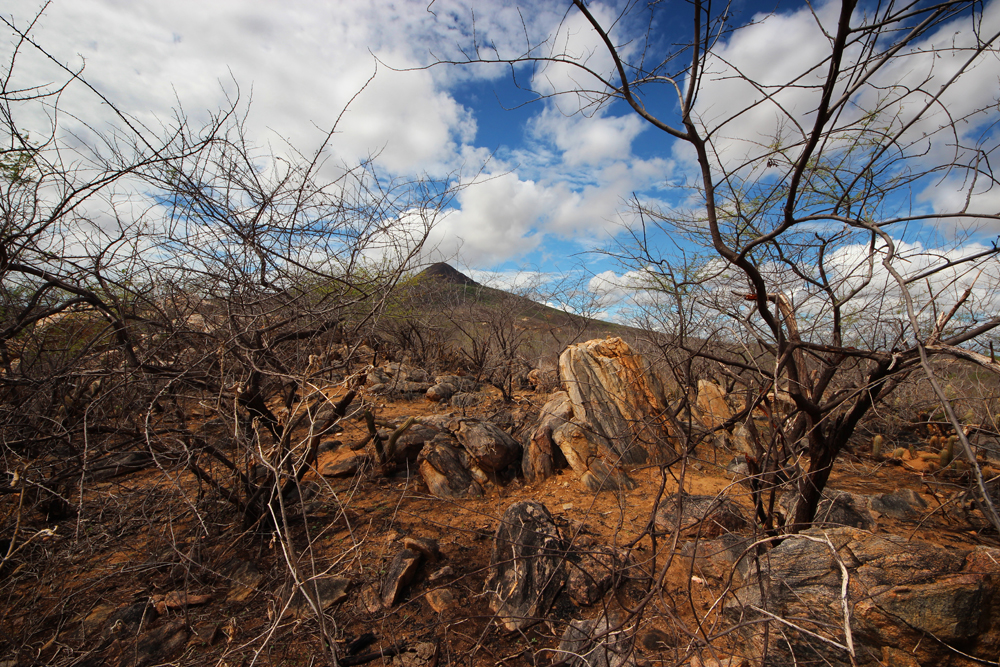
x,y
548,178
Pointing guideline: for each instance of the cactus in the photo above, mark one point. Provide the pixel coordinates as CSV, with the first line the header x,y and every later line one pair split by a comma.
x,y
948,451
877,446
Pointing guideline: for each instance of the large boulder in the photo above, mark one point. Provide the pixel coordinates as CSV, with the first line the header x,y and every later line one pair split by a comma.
x,y
491,448
526,565
617,396
446,469
713,409
587,453
903,599
542,456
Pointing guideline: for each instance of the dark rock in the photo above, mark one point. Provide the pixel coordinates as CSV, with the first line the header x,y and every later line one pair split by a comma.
x,y
130,620
835,508
426,546
299,601
161,645
346,463
491,448
720,559
401,572
526,565
412,441
377,378
592,574
597,642
542,456
205,633
703,516
246,578
900,504
904,596
445,469
329,446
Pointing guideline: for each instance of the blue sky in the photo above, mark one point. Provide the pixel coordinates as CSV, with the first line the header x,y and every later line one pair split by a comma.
x,y
552,182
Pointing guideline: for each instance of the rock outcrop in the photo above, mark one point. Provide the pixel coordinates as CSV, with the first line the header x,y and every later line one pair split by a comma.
x,y
617,398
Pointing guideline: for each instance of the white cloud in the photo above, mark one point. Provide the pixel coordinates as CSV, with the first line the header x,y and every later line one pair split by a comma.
x,y
588,141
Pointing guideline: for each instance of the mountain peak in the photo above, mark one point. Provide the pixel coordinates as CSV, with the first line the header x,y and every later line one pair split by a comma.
x,y
442,272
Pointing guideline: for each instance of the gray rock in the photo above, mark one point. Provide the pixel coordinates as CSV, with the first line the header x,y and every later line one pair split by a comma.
x,y
597,642
592,573
585,451
440,393
903,595
703,516
835,508
900,504
465,400
323,592
412,441
161,645
490,447
526,565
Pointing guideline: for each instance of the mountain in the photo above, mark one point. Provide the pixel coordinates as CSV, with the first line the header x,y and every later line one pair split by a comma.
x,y
446,285
445,273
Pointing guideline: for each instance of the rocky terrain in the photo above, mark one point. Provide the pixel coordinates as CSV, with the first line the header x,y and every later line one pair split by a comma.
x,y
439,525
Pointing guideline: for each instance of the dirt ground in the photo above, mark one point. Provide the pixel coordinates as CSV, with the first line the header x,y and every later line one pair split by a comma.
x,y
155,533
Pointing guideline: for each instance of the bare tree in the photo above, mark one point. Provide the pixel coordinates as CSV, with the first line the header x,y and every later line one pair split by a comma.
x,y
183,298
809,246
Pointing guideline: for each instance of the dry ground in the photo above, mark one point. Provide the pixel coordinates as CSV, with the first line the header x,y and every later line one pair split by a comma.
x,y
157,532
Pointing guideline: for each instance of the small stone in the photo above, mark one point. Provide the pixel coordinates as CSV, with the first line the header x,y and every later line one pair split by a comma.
x,y
401,572
323,592
567,507
246,578
441,599
443,573
424,545
205,633
161,645
424,654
